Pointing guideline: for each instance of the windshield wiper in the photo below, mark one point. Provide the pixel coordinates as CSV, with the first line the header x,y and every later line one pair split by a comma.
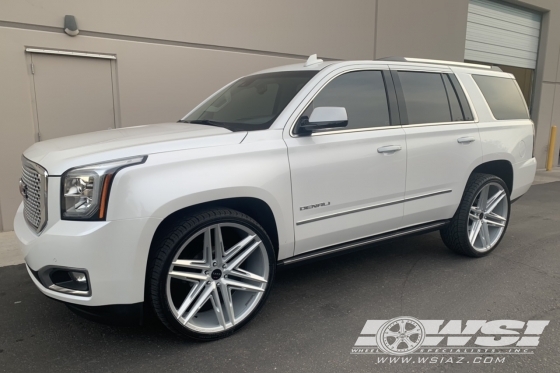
x,y
203,121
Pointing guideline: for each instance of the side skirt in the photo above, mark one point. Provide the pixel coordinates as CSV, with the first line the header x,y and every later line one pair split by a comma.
x,y
362,243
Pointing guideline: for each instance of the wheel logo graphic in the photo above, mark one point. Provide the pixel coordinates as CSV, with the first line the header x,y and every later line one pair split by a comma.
x,y
401,336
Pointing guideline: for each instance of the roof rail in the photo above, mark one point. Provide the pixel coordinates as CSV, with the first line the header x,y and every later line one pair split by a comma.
x,y
440,62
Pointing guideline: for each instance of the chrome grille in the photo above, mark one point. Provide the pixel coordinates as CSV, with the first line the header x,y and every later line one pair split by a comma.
x,y
33,187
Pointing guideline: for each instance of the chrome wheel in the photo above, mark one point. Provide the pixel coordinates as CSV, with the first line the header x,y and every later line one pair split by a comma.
x,y
488,217
217,278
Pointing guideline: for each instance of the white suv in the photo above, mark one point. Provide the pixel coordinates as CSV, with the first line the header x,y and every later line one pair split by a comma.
x,y
285,165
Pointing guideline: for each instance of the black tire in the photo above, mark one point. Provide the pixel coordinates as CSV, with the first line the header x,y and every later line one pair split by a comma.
x,y
455,235
166,249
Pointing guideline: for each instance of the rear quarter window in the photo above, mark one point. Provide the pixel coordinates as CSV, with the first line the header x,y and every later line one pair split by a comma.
x,y
503,97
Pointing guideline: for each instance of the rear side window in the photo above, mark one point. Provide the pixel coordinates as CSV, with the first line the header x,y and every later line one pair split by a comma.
x,y
363,95
503,97
454,105
425,97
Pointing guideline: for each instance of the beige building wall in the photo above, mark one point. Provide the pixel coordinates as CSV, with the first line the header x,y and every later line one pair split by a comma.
x,y
546,104
434,29
171,54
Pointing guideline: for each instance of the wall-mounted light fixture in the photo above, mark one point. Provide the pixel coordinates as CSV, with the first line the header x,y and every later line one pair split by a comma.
x,y
70,26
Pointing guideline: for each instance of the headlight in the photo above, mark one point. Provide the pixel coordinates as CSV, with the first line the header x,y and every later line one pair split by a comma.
x,y
85,190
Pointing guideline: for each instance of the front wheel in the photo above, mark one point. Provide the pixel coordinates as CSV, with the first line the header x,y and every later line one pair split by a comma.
x,y
482,218
212,274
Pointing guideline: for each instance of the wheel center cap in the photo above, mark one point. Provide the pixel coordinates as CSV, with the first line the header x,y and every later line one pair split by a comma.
x,y
481,216
216,274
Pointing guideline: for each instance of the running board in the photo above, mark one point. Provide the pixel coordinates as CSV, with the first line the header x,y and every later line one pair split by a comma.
x,y
359,244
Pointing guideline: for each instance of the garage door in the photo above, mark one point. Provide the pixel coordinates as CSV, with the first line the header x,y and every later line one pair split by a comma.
x,y
502,34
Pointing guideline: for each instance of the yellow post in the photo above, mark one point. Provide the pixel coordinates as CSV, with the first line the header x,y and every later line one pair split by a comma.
x,y
551,147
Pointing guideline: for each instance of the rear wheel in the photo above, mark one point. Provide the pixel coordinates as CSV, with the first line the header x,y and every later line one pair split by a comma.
x,y
212,274
482,218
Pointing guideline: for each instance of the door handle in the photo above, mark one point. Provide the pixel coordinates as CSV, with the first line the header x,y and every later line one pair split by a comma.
x,y
389,149
465,140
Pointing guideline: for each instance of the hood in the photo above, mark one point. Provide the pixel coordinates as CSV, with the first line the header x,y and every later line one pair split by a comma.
x,y
58,155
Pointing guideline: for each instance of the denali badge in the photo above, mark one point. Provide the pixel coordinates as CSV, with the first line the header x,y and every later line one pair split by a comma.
x,y
322,204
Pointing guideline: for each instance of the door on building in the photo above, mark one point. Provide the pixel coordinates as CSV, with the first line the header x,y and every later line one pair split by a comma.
x,y
73,95
506,36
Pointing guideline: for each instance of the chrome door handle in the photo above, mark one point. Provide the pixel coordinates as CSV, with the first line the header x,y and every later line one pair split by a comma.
x,y
389,149
465,140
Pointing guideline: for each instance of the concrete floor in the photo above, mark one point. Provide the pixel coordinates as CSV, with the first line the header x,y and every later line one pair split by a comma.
x,y
316,311
9,250
543,177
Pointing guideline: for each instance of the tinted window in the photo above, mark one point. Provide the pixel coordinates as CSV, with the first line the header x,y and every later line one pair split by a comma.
x,y
503,97
462,97
253,102
454,105
249,103
363,95
425,97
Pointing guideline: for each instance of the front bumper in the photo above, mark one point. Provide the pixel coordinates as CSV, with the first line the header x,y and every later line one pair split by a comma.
x,y
114,253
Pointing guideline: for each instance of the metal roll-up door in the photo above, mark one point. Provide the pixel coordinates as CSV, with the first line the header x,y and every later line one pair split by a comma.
x,y
502,34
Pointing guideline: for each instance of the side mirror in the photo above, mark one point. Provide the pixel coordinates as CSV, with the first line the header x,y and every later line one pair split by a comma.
x,y
323,118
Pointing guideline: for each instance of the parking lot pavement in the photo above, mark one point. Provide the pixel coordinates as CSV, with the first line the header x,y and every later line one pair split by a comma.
x,y
9,249
543,176
316,311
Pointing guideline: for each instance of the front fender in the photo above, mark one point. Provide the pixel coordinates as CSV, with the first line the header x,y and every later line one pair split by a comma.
x,y
172,181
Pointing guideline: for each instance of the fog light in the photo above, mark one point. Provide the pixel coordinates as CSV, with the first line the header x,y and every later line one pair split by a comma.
x,y
66,280
78,276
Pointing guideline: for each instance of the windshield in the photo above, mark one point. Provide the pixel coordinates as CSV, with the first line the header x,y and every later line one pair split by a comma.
x,y
251,103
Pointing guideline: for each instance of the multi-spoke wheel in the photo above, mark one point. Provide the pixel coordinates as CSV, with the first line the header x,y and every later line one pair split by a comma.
x,y
482,218
212,274
488,217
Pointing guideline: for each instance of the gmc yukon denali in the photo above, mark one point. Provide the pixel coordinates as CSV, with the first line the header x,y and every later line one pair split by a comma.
x,y
289,164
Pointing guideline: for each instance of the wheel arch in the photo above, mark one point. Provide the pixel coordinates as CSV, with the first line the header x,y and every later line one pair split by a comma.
x,y
254,207
501,168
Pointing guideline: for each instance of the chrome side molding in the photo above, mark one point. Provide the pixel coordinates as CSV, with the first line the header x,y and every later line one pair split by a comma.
x,y
328,216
